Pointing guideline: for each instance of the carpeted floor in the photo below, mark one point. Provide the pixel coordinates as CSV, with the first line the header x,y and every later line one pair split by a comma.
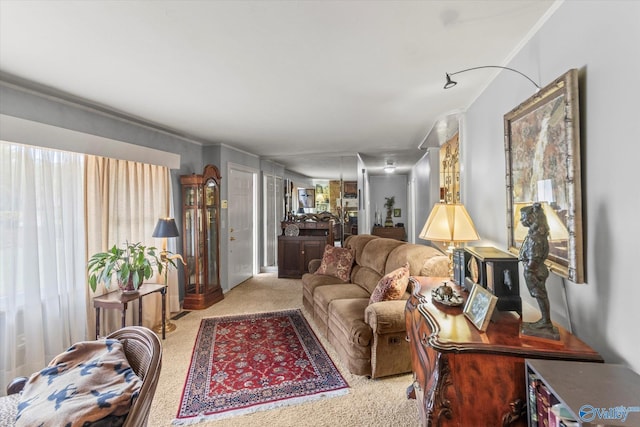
x,y
379,402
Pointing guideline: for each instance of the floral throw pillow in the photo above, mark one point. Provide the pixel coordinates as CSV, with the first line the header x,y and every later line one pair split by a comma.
x,y
392,286
336,262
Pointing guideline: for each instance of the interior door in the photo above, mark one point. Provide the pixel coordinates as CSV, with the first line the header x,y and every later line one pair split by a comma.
x,y
242,224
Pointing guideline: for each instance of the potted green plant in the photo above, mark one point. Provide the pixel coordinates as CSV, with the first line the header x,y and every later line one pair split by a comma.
x,y
130,265
389,203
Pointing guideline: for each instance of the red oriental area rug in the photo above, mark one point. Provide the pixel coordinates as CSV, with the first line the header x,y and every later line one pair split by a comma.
x,y
243,364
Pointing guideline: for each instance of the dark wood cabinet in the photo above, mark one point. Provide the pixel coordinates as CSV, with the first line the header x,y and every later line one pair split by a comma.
x,y
397,233
200,234
464,377
295,252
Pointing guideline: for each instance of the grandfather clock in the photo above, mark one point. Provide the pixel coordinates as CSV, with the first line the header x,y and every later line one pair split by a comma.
x,y
201,231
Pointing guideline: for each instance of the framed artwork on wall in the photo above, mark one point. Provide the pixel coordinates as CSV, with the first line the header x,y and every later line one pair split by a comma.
x,y
542,148
307,197
397,213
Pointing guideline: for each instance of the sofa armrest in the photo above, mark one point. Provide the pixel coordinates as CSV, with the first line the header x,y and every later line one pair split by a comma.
x,y
314,264
386,317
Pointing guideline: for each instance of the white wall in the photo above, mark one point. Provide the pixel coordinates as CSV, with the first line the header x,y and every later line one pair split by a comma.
x,y
426,178
601,40
389,185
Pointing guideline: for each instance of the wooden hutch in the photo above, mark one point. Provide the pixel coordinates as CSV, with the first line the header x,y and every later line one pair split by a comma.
x,y
300,242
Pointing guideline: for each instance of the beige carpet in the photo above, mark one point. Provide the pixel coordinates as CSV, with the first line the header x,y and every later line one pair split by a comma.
x,y
380,402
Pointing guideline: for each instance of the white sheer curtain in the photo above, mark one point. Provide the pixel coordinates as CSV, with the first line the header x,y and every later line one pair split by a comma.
x,y
43,288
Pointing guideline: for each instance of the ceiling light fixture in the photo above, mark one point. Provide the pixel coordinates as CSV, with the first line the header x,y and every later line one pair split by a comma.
x,y
390,167
451,83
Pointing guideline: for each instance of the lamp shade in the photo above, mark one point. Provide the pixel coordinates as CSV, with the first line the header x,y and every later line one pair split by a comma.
x,y
166,227
449,222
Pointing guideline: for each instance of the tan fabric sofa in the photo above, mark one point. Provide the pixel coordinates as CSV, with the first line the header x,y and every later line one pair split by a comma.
x,y
369,338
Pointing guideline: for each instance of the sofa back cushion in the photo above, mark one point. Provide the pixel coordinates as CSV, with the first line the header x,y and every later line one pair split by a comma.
x,y
357,242
374,254
365,277
415,255
437,266
370,261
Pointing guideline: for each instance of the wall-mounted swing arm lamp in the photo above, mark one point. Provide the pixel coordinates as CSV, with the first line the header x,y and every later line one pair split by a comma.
x,y
451,83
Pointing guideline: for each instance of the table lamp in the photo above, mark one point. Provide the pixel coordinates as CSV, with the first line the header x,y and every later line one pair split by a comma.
x,y
449,222
166,227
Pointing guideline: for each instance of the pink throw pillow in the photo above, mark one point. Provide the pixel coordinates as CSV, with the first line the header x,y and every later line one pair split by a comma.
x,y
392,286
336,262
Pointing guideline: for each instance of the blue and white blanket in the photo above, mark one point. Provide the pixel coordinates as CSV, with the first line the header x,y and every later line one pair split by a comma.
x,y
90,382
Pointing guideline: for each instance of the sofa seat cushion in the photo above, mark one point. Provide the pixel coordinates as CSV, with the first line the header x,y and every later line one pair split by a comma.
x,y
312,281
346,319
336,262
323,296
392,285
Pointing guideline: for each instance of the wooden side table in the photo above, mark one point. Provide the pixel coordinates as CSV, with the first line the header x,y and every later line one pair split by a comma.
x,y
118,300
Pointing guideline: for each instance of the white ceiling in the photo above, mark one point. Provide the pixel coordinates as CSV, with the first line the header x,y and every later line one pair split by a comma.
x,y
306,83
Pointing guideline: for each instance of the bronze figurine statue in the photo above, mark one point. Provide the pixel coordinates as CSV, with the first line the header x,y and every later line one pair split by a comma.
x,y
533,253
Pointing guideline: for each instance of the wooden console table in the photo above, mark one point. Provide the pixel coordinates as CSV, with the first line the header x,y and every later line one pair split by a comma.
x,y
397,233
463,377
118,300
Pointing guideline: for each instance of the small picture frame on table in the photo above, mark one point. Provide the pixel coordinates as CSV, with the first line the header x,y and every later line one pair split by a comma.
x,y
479,307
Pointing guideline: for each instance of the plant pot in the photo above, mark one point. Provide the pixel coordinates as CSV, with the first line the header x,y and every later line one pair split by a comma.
x,y
128,287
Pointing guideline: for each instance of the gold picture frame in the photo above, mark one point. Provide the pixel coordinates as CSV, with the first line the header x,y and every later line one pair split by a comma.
x,y
479,307
542,148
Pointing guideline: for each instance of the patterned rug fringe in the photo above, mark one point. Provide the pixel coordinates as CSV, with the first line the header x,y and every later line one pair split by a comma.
x,y
257,408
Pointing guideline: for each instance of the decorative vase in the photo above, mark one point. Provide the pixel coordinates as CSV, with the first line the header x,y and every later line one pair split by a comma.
x,y
388,222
